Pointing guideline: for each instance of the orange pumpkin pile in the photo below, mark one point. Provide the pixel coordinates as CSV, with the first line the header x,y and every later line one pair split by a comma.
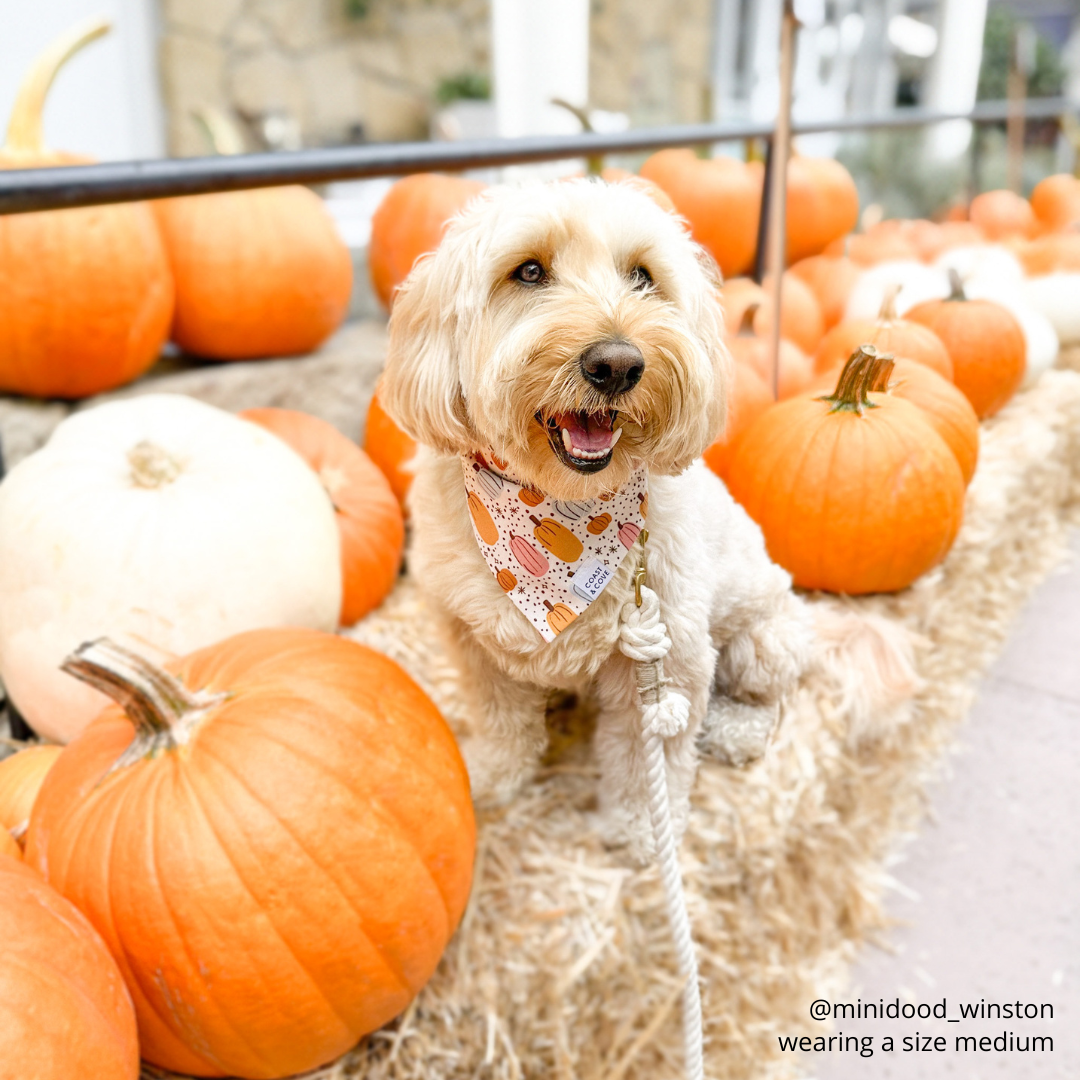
x,y
277,833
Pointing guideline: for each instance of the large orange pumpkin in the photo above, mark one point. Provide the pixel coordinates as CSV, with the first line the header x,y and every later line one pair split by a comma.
x,y
822,205
985,342
390,448
21,776
85,295
1052,252
258,273
719,197
855,492
367,510
275,841
409,222
65,1011
898,337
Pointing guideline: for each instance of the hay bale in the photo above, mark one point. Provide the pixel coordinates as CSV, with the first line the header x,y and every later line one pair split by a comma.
x,y
562,967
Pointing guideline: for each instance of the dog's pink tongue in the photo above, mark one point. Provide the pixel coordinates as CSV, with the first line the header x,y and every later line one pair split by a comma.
x,y
587,432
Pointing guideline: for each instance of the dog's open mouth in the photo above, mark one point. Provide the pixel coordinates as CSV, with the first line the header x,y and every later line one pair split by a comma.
x,y
581,440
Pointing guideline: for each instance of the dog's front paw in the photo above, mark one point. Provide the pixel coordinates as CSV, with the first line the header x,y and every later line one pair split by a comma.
x,y
629,831
736,733
493,777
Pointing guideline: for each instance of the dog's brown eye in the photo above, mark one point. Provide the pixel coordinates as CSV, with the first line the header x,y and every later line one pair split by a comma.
x,y
531,272
640,278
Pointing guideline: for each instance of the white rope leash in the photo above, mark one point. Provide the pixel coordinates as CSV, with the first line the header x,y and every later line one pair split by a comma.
x,y
643,638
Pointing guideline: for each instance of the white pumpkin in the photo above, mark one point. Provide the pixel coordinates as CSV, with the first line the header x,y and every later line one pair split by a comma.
x,y
1057,296
916,282
984,265
165,524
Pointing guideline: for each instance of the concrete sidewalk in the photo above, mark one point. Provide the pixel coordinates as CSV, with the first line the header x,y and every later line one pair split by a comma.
x,y
988,893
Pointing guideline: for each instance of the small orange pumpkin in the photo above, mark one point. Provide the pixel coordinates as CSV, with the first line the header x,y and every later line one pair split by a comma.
x,y
21,776
985,342
598,524
409,222
66,1010
368,515
801,321
855,492
1002,213
390,448
277,833
506,580
1055,201
86,295
822,205
749,350
898,337
530,496
831,279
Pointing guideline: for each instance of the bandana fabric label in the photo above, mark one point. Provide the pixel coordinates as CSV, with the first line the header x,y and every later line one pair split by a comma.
x,y
551,557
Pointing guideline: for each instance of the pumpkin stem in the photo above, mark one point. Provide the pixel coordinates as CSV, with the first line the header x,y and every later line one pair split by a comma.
x,y
151,466
24,135
162,709
594,165
746,327
956,285
866,371
887,314
220,130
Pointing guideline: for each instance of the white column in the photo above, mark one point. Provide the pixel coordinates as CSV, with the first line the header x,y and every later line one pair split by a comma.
x,y
106,101
540,51
954,76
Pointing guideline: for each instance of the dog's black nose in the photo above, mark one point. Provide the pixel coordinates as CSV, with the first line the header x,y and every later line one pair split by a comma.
x,y
612,366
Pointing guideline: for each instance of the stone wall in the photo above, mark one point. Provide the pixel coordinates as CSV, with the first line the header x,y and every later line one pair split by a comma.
x,y
341,78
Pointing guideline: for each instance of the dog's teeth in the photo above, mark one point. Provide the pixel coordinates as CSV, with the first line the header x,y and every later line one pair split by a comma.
x,y
567,442
615,437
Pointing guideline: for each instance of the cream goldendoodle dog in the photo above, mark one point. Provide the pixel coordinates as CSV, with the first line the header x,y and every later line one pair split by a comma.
x,y
561,358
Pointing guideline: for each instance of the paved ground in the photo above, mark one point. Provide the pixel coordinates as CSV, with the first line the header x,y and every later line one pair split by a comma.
x,y
989,892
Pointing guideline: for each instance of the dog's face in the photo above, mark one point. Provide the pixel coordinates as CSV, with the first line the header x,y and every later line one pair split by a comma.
x,y
573,328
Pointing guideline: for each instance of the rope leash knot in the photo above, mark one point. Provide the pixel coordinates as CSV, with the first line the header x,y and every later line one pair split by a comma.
x,y
643,638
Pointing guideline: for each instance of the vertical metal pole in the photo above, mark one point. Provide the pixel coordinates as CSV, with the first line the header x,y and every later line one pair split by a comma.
x,y
780,151
761,253
1022,64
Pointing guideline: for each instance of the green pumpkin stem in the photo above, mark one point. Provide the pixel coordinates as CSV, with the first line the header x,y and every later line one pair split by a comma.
x,y
867,371
956,285
24,135
162,709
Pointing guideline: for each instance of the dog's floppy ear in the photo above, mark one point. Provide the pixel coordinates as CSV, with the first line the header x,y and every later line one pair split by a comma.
x,y
421,384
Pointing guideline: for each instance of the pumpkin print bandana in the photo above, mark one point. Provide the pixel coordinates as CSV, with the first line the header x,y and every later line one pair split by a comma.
x,y
551,557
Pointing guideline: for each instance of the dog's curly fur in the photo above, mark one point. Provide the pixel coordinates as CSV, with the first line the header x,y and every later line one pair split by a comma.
x,y
478,360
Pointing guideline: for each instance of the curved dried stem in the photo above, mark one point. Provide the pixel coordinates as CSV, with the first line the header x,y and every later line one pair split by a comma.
x,y
24,134
866,371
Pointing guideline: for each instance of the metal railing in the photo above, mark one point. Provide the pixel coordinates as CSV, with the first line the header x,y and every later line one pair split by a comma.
x,y
26,190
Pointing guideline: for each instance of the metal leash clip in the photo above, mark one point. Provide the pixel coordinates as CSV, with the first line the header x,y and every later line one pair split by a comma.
x,y
641,574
